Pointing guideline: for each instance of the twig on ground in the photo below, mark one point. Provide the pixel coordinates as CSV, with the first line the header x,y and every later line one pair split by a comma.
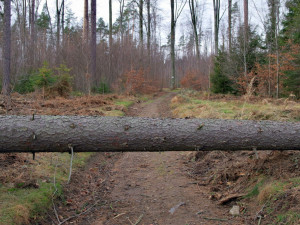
x,y
121,214
259,221
259,215
54,193
130,221
139,219
80,214
223,154
71,163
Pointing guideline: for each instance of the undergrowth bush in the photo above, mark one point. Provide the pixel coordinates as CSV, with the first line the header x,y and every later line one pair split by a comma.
x,y
193,80
24,84
45,77
134,82
103,88
63,84
52,82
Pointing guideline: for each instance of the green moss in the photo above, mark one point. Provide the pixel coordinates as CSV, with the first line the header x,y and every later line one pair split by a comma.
x,y
255,190
288,218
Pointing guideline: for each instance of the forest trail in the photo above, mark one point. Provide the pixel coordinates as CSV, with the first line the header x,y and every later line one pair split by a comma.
x,y
154,188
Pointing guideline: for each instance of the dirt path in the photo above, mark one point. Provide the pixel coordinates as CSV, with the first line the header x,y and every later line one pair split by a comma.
x,y
146,186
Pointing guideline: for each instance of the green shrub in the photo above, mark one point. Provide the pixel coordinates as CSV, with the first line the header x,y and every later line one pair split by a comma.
x,y
44,78
53,82
103,88
24,84
63,83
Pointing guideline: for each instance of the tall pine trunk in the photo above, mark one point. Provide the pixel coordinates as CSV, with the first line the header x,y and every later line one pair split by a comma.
x,y
86,21
110,24
6,53
63,20
32,33
229,24
148,27
58,12
173,26
246,34
194,22
216,4
246,18
141,18
277,48
93,44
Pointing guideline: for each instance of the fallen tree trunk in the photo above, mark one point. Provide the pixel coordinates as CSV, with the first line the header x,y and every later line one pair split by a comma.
x,y
108,134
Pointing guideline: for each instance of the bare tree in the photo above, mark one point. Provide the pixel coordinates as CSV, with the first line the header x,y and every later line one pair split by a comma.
x,y
148,26
141,18
63,19
7,53
277,47
110,23
176,10
86,21
58,12
93,43
121,10
194,22
217,5
246,36
246,19
32,32
229,25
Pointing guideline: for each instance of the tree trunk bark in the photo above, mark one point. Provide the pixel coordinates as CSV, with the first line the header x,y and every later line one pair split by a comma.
x,y
216,4
112,134
32,33
6,54
148,27
246,18
110,24
173,25
86,21
194,22
141,17
277,48
58,11
229,24
93,44
63,20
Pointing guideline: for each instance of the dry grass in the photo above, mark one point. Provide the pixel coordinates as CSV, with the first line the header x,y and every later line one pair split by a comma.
x,y
266,193
233,108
